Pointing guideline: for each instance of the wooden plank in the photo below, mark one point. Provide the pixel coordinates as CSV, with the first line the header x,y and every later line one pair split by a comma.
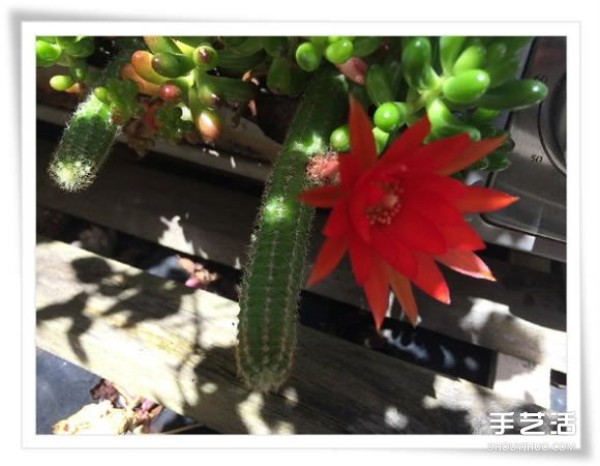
x,y
205,220
521,315
522,380
167,342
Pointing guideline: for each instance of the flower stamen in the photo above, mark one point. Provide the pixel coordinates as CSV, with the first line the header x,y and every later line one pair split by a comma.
x,y
384,211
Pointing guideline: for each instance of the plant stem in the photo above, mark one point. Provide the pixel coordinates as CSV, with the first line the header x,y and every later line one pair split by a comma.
x,y
86,141
274,273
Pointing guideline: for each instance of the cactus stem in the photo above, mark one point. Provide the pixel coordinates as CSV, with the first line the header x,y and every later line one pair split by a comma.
x,y
274,273
87,139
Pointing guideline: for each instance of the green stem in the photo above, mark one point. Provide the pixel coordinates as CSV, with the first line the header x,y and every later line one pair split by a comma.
x,y
274,274
427,96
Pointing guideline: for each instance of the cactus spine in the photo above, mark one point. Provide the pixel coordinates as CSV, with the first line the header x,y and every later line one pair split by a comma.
x,y
274,273
88,137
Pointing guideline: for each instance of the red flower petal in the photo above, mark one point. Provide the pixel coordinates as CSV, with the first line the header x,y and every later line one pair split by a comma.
x,y
377,290
414,230
478,199
407,143
436,208
467,263
430,279
443,186
475,152
338,223
404,294
433,156
357,205
329,257
395,253
351,169
324,196
362,142
361,259
461,236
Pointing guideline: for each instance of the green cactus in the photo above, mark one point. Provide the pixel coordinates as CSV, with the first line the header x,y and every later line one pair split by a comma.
x,y
274,272
84,146
87,140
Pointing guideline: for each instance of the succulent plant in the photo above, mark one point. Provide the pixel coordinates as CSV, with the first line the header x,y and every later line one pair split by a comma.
x,y
173,87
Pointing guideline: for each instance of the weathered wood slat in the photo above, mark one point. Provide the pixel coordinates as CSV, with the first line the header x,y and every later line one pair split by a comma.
x,y
522,380
175,345
521,315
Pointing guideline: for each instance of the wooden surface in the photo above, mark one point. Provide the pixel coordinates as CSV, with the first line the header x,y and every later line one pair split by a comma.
x,y
175,345
522,380
522,314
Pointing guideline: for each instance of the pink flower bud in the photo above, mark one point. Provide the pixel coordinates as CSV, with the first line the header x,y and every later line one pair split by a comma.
x,y
355,69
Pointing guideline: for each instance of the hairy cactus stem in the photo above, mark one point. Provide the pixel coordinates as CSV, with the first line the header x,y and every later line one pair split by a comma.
x,y
88,137
273,275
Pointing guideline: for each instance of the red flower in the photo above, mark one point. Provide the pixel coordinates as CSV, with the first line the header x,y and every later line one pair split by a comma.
x,y
401,214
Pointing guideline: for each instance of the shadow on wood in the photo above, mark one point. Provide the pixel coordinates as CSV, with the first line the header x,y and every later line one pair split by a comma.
x,y
522,314
165,342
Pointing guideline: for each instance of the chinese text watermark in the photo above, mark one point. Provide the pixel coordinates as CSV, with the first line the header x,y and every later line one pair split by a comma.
x,y
535,423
